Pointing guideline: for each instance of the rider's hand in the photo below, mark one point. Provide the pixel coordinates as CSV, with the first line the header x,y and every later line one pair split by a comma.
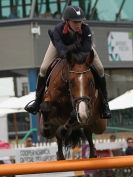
x,y
71,48
74,47
78,44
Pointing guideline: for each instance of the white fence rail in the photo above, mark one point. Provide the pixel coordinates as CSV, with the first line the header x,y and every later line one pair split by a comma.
x,y
46,152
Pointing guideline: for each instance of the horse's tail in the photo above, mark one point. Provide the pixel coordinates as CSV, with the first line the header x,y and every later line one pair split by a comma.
x,y
74,138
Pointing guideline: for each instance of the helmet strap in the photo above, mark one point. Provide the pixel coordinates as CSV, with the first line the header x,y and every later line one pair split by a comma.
x,y
72,31
67,28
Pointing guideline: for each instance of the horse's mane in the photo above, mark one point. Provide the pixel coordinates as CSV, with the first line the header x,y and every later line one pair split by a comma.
x,y
80,57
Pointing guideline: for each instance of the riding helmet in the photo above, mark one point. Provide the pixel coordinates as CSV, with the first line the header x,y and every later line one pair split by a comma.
x,y
73,13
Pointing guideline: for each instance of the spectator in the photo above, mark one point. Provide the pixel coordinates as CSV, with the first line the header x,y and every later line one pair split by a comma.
x,y
112,138
76,153
129,149
47,15
28,142
95,14
13,13
57,15
117,151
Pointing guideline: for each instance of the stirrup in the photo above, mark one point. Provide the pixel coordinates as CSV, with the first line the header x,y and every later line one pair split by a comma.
x,y
106,117
106,114
26,108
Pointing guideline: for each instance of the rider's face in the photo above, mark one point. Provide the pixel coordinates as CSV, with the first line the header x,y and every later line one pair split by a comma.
x,y
75,25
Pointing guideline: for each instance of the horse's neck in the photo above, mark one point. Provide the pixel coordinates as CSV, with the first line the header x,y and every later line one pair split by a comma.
x,y
56,86
57,70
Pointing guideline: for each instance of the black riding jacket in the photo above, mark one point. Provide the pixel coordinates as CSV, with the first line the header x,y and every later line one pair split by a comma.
x,y
62,40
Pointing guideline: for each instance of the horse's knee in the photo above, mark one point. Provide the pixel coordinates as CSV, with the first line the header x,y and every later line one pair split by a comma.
x,y
100,126
100,131
45,107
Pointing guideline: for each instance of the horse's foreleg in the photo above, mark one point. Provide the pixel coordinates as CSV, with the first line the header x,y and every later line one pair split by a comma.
x,y
88,135
59,153
71,120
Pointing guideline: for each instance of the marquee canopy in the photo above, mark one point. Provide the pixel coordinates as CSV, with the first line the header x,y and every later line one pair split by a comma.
x,y
123,101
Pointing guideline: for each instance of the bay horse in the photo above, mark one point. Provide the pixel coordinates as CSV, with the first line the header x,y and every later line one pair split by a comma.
x,y
71,107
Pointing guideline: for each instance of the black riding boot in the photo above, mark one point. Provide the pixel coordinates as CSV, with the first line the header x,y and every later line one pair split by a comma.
x,y
106,113
34,107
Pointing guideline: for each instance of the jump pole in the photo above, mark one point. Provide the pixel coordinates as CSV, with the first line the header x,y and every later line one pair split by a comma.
x,y
66,165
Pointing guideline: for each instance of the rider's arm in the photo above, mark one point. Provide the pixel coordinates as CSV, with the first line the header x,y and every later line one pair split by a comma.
x,y
56,39
87,39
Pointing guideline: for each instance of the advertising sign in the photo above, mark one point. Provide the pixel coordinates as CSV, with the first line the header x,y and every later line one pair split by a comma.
x,y
35,154
120,46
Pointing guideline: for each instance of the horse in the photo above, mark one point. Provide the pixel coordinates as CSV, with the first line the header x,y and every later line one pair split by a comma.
x,y
72,103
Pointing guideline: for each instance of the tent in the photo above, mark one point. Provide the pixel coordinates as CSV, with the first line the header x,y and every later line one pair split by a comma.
x,y
22,101
8,103
6,106
16,104
4,111
123,101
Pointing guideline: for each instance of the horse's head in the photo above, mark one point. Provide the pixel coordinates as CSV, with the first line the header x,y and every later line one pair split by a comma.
x,y
81,86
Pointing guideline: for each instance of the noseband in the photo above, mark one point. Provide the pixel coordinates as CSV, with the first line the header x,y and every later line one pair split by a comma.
x,y
79,72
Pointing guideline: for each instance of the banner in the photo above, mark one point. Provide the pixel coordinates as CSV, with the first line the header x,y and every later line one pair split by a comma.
x,y
120,46
34,154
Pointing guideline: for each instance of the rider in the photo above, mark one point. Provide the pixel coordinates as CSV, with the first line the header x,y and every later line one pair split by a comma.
x,y
72,34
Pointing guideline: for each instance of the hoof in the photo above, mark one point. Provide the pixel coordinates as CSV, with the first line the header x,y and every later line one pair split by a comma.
x,y
60,156
93,153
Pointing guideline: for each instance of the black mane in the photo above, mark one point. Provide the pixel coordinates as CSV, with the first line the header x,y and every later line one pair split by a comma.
x,y
77,57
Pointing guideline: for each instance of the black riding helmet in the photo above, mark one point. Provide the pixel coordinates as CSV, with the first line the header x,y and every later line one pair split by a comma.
x,y
73,13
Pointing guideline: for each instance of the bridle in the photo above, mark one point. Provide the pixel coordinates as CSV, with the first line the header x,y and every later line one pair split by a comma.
x,y
79,72
76,101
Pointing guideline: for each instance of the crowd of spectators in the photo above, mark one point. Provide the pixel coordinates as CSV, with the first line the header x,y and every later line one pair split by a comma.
x,y
127,151
48,15
15,14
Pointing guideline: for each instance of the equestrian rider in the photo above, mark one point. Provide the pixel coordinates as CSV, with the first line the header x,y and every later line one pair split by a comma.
x,y
71,34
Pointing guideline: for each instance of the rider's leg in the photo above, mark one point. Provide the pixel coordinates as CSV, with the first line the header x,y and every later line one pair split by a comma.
x,y
50,55
102,81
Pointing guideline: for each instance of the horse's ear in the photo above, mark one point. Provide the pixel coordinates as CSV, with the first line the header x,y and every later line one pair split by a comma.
x,y
90,58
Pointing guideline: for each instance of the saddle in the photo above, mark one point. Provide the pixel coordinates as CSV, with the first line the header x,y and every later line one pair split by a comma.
x,y
57,60
50,69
